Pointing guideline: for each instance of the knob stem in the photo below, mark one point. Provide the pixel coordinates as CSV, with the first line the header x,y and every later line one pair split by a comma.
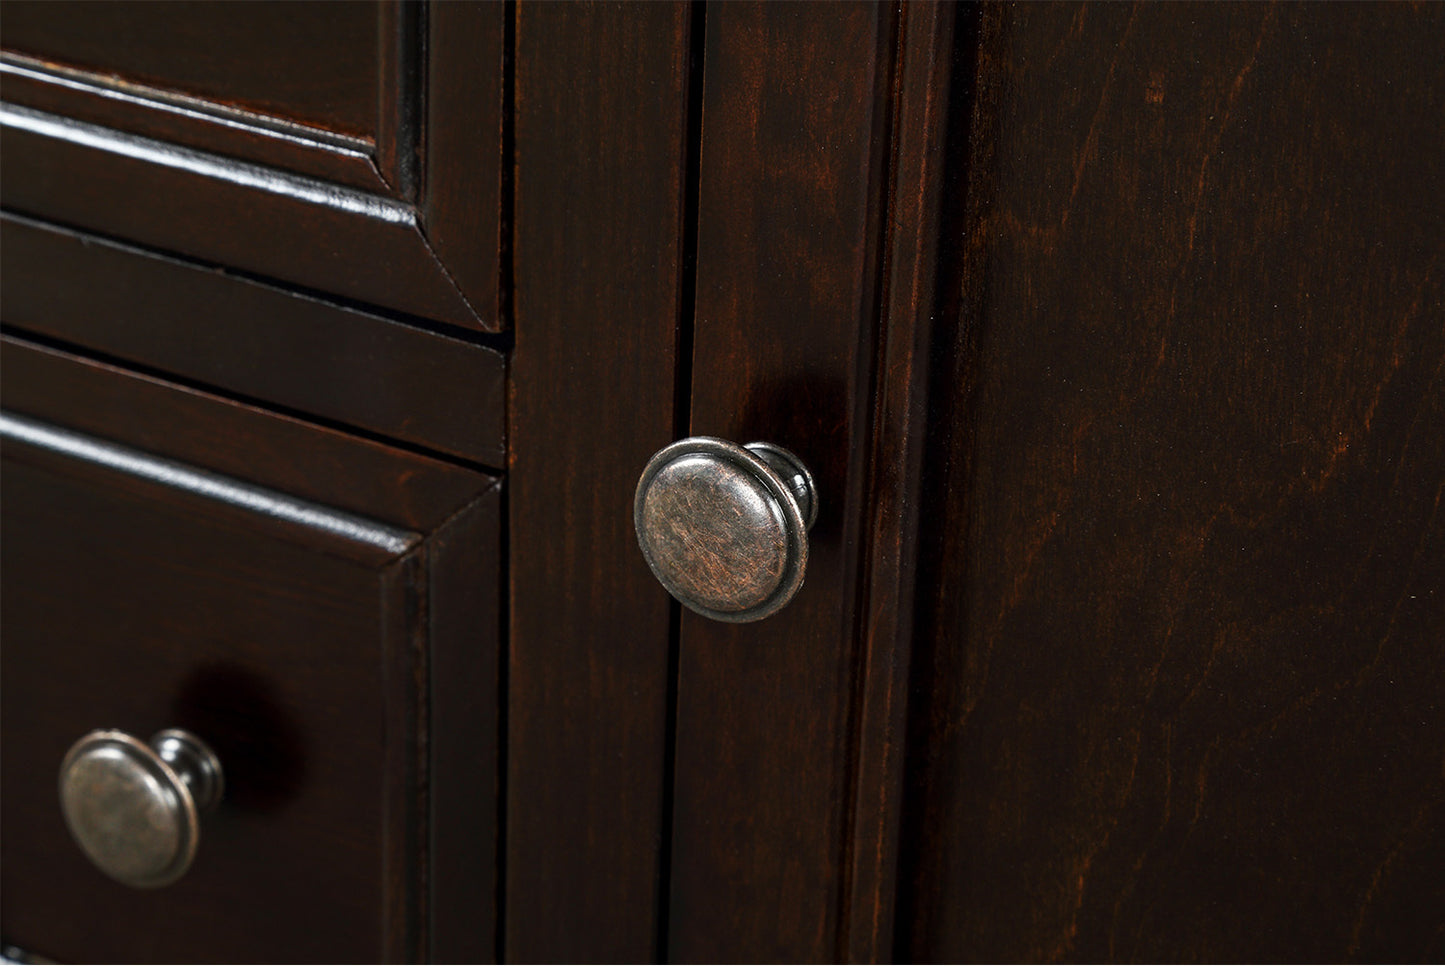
x,y
793,473
193,762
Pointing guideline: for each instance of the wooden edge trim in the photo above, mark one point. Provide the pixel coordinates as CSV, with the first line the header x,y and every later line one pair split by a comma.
x,y
323,235
190,121
920,115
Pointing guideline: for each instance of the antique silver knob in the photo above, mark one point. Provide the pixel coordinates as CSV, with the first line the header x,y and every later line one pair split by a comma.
x,y
725,527
134,808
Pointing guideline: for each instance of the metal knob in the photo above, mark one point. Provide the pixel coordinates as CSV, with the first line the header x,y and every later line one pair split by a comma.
x,y
134,808
725,527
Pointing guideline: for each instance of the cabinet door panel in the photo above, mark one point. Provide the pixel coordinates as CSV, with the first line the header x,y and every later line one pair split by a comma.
x,y
145,592
786,314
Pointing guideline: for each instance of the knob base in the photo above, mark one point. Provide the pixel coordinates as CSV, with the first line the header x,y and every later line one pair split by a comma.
x,y
793,473
194,763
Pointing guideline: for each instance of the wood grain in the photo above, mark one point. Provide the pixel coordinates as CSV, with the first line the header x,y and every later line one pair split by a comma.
x,y
1178,679
793,170
190,121
314,63
281,453
261,221
895,517
602,100
464,165
464,739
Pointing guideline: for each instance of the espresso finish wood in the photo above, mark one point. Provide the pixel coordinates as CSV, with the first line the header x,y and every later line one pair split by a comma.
x,y
294,636
403,211
792,177
602,122
462,206
310,62
464,735
281,689
928,89
293,229
1179,681
314,357
322,466
189,121
1110,334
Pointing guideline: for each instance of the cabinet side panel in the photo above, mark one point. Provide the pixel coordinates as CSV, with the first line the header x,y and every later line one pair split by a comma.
x,y
1177,687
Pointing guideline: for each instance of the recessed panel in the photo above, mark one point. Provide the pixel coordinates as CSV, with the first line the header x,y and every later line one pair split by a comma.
x,y
308,62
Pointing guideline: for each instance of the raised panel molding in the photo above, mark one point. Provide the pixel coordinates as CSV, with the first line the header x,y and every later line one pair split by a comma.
x,y
409,220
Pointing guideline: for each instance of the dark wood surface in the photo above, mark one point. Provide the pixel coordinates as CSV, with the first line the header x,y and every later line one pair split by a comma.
x,y
298,649
308,355
1178,686
406,213
793,170
924,98
463,211
267,223
1111,334
464,736
295,647
174,612
189,121
601,131
320,465
314,63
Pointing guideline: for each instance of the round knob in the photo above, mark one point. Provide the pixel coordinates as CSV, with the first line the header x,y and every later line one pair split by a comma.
x,y
134,808
725,527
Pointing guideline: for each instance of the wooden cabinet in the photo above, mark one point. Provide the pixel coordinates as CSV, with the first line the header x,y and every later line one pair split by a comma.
x,y
1111,335
218,569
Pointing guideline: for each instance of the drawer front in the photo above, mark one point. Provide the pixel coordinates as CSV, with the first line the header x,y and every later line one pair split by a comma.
x,y
298,637
260,341
353,148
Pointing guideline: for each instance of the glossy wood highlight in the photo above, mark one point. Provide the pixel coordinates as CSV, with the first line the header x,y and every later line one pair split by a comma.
x,y
312,63
915,266
189,121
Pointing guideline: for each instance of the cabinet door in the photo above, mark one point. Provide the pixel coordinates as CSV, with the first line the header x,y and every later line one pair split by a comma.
x,y
784,316
319,610
354,148
1158,440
